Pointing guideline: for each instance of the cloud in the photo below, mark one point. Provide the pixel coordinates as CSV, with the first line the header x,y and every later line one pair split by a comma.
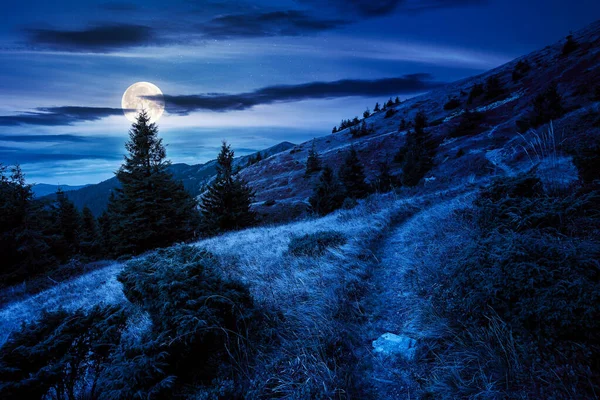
x,y
41,138
56,116
275,23
407,84
101,38
377,8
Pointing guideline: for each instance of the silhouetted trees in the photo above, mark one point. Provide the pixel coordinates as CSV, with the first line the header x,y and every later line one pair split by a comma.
x,y
416,156
328,194
352,176
570,46
313,162
226,203
150,209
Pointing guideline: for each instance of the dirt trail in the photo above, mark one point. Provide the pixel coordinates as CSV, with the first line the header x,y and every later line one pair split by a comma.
x,y
393,303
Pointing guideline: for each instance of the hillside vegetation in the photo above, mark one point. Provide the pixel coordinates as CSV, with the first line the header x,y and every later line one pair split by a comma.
x,y
443,247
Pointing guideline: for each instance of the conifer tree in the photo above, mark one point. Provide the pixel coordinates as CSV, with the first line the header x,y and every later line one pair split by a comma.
x,y
417,154
328,193
89,232
69,222
377,108
313,161
352,176
385,181
150,209
397,101
226,203
367,113
390,103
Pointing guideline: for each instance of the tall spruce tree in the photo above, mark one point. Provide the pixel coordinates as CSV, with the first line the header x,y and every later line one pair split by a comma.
x,y
416,156
328,194
226,203
352,176
150,209
313,161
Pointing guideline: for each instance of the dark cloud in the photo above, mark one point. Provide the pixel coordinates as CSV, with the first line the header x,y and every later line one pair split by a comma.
x,y
287,93
99,39
376,8
41,138
55,116
275,23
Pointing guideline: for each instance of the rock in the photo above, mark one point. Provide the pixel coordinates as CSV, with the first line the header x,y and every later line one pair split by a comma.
x,y
390,344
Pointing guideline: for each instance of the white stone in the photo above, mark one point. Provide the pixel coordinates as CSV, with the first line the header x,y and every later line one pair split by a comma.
x,y
391,344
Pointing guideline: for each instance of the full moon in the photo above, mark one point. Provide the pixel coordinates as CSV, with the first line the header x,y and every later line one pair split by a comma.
x,y
135,100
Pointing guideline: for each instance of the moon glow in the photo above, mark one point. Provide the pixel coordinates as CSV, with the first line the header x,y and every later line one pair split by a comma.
x,y
134,100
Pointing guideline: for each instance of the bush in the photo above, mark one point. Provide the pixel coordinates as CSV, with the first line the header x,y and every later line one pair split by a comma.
x,y
361,129
469,124
476,91
62,355
570,46
493,88
198,316
520,70
535,267
416,156
452,104
547,106
389,113
315,244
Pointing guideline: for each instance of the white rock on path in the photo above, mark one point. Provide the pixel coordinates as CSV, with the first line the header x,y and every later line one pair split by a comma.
x,y
391,344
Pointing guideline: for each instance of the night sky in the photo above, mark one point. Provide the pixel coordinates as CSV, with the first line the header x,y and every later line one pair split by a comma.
x,y
253,73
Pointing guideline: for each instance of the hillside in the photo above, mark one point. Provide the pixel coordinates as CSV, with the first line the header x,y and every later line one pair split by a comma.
x,y
482,281
44,189
491,148
194,177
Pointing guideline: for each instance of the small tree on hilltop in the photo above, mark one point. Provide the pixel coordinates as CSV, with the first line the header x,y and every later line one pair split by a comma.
x,y
390,103
570,46
313,162
328,194
352,176
367,113
150,209
397,101
226,203
377,108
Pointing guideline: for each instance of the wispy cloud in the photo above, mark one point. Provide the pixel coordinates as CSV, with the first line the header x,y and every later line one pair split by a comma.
x,y
101,38
56,116
184,104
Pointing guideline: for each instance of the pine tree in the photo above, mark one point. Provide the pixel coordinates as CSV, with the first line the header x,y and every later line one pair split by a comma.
x,y
226,203
69,222
150,209
258,158
385,181
334,130
352,176
417,154
313,162
377,108
397,101
328,193
367,113
390,103
89,232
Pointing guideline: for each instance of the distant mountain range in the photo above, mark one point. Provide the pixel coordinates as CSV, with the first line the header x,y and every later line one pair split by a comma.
x,y
44,189
194,177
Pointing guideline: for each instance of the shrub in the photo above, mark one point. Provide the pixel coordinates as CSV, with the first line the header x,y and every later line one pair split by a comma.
x,y
570,46
476,91
198,316
416,156
493,88
469,124
315,244
389,113
361,130
452,104
535,267
269,203
62,355
352,176
547,106
520,70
